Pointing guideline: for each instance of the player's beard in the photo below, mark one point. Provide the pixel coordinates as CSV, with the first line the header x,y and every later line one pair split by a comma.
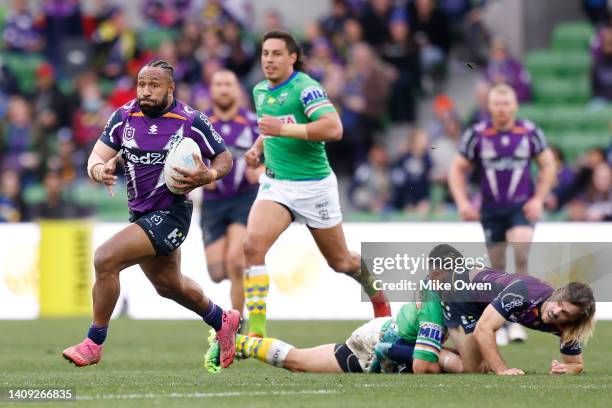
x,y
226,105
154,111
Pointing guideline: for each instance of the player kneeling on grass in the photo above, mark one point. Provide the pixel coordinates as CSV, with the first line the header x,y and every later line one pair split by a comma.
x,y
472,317
410,343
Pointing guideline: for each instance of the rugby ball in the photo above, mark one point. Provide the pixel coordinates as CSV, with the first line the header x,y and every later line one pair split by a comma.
x,y
180,155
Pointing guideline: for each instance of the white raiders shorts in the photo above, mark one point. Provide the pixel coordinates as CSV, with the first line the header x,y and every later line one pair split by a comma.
x,y
312,202
364,339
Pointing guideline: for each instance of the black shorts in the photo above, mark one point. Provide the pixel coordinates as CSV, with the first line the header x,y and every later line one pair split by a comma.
x,y
348,361
464,314
166,229
497,221
219,214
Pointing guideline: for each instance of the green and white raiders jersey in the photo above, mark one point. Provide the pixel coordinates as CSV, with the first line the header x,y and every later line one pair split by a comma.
x,y
300,99
423,326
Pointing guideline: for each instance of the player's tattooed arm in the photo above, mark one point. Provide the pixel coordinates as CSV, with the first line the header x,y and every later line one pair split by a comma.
x,y
202,175
221,164
484,334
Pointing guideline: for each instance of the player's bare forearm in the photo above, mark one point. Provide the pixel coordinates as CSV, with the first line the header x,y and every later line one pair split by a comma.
x,y
485,337
425,367
259,144
328,128
100,155
571,365
547,174
456,179
484,334
222,164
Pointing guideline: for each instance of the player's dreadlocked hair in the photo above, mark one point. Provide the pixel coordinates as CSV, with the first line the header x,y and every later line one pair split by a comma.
x,y
579,295
157,63
290,42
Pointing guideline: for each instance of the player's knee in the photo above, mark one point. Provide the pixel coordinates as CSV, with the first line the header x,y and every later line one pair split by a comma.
x,y
103,261
234,268
341,265
165,289
254,251
217,272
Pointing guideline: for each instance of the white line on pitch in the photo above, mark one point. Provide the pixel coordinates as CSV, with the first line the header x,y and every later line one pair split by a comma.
x,y
201,394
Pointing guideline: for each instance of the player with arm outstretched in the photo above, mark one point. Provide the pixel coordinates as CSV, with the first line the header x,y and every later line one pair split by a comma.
x,y
410,343
144,130
473,316
296,118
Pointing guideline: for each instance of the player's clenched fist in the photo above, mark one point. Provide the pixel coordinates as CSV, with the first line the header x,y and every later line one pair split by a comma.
x,y
252,156
270,126
105,173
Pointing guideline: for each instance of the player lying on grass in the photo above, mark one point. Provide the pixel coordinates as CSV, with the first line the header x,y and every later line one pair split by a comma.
x,y
410,343
473,317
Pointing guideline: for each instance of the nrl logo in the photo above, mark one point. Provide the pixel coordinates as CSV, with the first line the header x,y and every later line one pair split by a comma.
x,y
128,133
260,99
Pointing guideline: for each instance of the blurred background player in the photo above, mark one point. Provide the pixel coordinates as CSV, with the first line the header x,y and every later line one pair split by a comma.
x,y
296,118
501,150
227,202
143,129
473,316
410,343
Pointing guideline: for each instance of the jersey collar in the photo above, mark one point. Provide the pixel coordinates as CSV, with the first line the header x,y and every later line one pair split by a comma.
x,y
285,82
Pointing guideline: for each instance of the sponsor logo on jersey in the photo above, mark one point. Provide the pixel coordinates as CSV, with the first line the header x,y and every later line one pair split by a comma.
x,y
312,94
153,130
188,110
216,136
432,331
271,101
142,157
511,301
287,119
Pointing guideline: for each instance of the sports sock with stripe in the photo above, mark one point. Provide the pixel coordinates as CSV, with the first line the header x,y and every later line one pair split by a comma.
x,y
267,350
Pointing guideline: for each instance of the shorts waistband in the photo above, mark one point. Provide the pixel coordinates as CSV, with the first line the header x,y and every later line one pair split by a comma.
x,y
270,173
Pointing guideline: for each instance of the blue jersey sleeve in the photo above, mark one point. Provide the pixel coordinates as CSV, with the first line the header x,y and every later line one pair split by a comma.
x,y
513,299
205,135
111,135
571,349
467,145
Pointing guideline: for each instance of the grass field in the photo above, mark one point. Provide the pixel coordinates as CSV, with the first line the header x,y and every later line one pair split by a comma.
x,y
158,363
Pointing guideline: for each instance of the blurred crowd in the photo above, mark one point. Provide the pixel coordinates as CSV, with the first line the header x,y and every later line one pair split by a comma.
x,y
377,59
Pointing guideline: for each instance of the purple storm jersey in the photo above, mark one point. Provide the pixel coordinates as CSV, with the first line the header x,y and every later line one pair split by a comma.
x,y
519,298
144,143
239,135
503,159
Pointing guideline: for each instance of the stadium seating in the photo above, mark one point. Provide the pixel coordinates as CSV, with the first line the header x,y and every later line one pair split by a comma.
x,y
23,66
561,87
572,36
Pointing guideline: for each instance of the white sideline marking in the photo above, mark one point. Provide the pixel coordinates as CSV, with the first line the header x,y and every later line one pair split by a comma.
x,y
200,394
